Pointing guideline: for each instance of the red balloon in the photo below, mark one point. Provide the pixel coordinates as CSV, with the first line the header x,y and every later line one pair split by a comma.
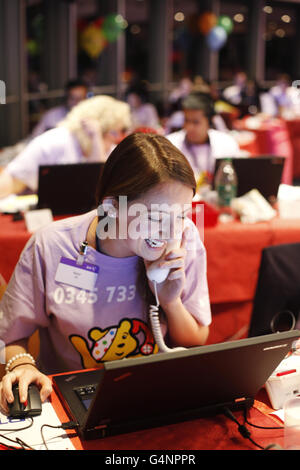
x,y
206,22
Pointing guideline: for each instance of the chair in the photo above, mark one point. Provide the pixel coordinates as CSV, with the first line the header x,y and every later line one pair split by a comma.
x,y
277,296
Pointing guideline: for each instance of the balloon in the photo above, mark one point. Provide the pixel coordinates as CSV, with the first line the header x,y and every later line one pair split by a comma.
x,y
216,38
226,23
92,41
113,26
206,22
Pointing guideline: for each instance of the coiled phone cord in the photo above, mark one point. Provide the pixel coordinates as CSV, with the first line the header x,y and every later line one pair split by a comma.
x,y
155,325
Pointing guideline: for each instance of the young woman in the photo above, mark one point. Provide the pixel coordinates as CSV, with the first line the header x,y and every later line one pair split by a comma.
x,y
82,281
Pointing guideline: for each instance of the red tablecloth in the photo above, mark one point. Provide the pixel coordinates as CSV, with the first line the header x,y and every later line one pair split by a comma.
x,y
293,127
212,433
233,259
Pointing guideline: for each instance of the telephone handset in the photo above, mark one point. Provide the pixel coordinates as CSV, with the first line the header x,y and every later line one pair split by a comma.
x,y
160,274
157,276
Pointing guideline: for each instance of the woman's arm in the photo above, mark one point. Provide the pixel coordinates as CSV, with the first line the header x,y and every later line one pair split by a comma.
x,y
10,185
183,328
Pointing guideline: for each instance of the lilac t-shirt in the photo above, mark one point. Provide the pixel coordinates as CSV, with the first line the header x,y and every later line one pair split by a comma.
x,y
83,328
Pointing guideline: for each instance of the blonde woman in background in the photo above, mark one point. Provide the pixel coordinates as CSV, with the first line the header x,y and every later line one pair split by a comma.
x,y
89,133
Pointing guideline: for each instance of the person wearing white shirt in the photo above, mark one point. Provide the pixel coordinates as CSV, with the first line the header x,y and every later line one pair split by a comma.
x,y
198,141
88,134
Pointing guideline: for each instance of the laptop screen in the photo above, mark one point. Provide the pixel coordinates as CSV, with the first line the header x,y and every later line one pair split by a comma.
x,y
262,173
69,189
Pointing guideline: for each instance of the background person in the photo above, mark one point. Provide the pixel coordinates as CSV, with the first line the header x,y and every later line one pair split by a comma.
x,y
88,134
143,113
198,141
82,329
76,91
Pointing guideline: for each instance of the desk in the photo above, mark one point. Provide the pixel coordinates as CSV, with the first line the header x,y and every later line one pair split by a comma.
x,y
293,126
213,433
233,259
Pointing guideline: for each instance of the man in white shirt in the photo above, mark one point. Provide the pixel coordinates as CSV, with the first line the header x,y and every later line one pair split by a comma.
x,y
201,144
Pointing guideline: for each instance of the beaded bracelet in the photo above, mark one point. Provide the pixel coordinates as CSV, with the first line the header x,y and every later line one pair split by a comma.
x,y
22,364
18,356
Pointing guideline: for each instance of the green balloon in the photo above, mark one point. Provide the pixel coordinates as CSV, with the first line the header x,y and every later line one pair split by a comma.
x,y
112,27
226,23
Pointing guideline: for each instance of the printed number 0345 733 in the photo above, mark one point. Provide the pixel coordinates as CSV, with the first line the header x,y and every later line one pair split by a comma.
x,y
70,295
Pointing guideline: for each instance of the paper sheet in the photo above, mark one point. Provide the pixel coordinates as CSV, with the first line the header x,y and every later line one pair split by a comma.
x,y
14,203
56,439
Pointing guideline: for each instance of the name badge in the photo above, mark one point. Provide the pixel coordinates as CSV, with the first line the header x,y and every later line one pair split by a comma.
x,y
83,276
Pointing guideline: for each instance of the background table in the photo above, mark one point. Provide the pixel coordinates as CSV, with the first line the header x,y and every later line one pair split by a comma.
x,y
233,259
293,127
272,137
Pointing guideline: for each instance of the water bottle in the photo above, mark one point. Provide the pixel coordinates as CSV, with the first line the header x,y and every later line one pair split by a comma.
x,y
226,187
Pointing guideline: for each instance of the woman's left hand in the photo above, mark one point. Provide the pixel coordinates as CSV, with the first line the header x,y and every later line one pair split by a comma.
x,y
170,290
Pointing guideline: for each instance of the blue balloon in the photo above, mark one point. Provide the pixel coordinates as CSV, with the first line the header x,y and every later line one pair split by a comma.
x,y
216,38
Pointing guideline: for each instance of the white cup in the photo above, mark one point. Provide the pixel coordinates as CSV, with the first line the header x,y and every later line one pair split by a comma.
x,y
292,424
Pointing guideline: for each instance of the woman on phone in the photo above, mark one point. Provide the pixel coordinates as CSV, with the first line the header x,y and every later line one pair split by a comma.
x,y
82,281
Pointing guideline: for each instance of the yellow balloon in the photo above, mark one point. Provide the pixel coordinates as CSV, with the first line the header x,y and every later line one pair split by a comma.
x,y
92,41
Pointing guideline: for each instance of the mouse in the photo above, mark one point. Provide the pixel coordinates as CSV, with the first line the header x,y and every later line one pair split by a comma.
x,y
32,407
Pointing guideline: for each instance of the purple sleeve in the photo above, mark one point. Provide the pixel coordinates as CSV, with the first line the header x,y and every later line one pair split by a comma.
x,y
195,296
22,308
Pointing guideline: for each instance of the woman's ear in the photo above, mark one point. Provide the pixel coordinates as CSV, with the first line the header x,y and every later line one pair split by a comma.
x,y
110,206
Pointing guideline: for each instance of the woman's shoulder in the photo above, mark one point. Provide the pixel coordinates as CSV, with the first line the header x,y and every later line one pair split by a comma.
x,y
68,231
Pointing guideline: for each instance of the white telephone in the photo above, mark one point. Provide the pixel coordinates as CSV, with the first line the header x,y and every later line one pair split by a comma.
x,y
157,276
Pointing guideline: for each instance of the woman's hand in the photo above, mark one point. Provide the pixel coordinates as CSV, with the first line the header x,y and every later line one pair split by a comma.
x,y
170,290
24,375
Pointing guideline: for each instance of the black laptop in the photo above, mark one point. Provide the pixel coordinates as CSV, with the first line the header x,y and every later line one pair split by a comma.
x,y
70,188
261,172
164,388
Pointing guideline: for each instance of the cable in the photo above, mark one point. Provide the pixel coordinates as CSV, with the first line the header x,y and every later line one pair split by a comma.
x,y
19,441
155,325
259,427
18,429
241,428
67,425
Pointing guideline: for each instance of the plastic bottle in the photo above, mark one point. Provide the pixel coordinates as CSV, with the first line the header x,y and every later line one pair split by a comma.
x,y
226,186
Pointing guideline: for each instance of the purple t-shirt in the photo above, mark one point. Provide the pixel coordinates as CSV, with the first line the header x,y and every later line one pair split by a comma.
x,y
82,328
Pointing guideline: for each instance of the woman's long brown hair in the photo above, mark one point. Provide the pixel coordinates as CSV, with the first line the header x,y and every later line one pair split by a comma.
x,y
141,161
137,164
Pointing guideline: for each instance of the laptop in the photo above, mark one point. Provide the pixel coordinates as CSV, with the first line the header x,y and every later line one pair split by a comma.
x,y
69,188
138,393
262,172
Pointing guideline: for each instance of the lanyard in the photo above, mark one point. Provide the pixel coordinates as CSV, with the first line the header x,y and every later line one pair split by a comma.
x,y
82,253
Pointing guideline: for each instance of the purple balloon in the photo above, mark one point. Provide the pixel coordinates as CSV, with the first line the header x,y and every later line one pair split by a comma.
x,y
216,38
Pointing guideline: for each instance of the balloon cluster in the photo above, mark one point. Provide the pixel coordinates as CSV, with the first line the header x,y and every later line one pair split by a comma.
x,y
215,29
94,36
